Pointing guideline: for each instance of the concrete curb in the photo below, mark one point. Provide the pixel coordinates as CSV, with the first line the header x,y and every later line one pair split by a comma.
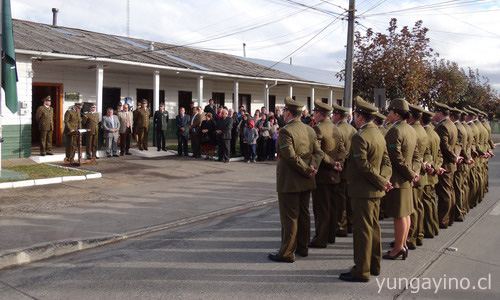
x,y
53,180
16,257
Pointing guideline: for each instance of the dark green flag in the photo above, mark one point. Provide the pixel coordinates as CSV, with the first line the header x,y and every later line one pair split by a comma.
x,y
9,70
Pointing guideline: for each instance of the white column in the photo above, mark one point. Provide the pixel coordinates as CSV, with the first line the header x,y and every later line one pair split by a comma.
x,y
266,95
200,91
290,90
156,91
312,97
236,96
330,98
99,86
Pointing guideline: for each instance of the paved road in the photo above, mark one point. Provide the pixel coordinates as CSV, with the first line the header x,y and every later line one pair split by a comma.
x,y
225,258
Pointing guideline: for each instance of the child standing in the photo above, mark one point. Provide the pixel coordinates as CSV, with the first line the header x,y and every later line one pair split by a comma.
x,y
251,135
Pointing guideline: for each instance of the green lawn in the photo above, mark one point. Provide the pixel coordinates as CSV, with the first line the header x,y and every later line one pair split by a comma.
x,y
40,171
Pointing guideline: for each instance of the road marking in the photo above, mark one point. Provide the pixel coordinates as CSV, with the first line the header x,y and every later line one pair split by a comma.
x,y
496,210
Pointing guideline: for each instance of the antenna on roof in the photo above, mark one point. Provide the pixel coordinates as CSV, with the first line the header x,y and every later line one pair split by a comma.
x,y
128,18
244,50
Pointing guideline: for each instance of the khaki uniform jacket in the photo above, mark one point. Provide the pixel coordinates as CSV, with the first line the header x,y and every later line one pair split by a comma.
x,y
461,146
347,133
477,145
448,134
122,117
45,118
141,118
72,121
424,152
332,144
369,168
90,121
471,147
437,156
298,149
383,130
401,142
483,136
486,125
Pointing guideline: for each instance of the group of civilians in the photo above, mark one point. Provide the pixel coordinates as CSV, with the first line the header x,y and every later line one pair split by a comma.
x,y
217,128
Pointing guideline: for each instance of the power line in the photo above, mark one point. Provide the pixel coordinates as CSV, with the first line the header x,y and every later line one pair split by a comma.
x,y
293,52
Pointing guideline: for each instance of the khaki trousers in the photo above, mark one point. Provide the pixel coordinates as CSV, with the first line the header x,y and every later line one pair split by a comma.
x,y
45,141
417,217
324,208
366,236
295,223
446,195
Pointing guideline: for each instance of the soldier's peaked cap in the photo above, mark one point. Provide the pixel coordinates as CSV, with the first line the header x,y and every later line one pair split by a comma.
x,y
321,106
292,104
364,107
428,113
455,111
380,116
470,112
340,109
441,107
78,104
144,101
416,108
399,104
48,98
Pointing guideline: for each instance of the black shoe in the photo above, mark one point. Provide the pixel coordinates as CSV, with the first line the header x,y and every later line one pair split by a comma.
x,y
428,236
158,149
341,234
349,277
349,228
277,258
141,149
456,219
419,242
375,273
164,149
303,254
108,155
146,149
122,153
128,153
50,153
116,155
331,241
403,253
97,157
441,226
42,154
410,246
312,245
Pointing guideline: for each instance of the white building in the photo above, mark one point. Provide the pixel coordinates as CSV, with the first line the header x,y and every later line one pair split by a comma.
x,y
77,65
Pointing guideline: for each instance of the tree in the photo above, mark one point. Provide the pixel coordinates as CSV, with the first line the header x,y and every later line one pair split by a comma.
x,y
397,61
447,83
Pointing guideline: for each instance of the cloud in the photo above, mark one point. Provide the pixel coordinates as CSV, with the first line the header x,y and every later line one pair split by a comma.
x,y
190,21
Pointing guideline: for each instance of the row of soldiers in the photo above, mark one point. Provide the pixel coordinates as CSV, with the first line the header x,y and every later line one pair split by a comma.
x,y
402,158
74,119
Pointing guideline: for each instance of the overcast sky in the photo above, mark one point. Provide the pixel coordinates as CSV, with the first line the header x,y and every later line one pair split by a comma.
x,y
464,31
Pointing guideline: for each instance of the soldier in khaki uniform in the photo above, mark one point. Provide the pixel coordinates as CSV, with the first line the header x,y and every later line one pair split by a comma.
x,y
471,149
458,212
90,122
476,156
344,221
401,142
416,235
368,173
45,118
448,135
491,146
72,122
380,122
141,121
429,200
324,202
299,156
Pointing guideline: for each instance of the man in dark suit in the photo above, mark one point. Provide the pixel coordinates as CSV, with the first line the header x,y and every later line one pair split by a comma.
x,y
234,130
195,131
210,108
161,124
223,131
182,121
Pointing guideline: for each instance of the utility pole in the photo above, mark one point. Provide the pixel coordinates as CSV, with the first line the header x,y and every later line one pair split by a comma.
x,y
348,60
